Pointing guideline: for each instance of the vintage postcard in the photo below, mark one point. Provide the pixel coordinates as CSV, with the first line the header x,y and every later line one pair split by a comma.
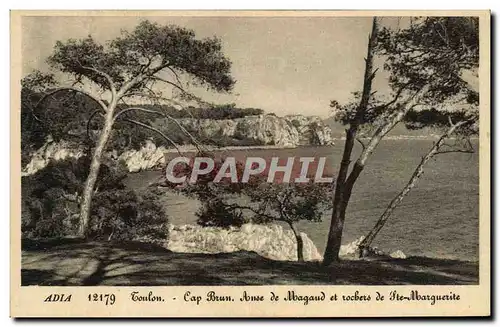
x,y
250,163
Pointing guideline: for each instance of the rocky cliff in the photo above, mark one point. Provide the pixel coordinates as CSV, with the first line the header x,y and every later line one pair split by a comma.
x,y
311,129
289,131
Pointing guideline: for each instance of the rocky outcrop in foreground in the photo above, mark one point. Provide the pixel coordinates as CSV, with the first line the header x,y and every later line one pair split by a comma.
x,y
351,251
271,241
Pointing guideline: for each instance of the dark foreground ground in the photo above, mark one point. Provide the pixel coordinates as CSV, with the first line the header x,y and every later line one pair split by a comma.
x,y
75,262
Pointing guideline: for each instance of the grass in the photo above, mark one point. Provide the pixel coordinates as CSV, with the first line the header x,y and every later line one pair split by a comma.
x,y
74,262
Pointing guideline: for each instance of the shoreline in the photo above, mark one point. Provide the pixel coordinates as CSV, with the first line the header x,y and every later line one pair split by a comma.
x,y
191,148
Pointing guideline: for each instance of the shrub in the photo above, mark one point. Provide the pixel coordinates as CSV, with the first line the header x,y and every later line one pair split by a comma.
x,y
125,215
217,213
50,204
52,214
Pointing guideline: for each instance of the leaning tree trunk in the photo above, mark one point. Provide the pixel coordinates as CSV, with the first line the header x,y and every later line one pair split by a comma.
x,y
300,243
339,205
367,241
95,164
340,200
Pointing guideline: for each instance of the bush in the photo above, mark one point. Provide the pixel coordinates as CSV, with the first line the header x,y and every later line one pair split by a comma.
x,y
125,215
216,213
52,214
51,198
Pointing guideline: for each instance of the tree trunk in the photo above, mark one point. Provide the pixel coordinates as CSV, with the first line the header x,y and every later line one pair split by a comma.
x,y
367,241
340,201
88,191
300,243
346,185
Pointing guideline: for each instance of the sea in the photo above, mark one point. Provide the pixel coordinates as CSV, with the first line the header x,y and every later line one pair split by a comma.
x,y
439,218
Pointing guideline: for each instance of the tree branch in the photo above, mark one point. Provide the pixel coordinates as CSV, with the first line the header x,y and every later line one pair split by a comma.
x,y
108,78
138,109
88,123
193,139
361,142
381,131
450,121
175,74
126,87
257,212
74,89
168,82
157,69
372,76
154,130
455,151
394,99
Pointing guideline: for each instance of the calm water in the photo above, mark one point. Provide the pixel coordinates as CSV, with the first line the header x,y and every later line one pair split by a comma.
x,y
439,217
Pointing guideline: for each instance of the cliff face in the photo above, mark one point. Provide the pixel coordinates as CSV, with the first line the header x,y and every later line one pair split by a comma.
x,y
289,131
312,130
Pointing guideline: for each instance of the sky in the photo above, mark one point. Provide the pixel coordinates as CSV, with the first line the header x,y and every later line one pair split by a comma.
x,y
285,65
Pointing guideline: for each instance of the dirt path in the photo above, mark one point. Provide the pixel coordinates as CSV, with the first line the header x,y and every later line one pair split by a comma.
x,y
102,263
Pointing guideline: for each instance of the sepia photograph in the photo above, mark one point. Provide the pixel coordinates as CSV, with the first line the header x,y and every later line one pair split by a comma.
x,y
251,149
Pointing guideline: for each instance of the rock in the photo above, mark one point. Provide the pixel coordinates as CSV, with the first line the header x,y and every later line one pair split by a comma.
x,y
398,255
270,241
351,249
267,130
312,130
255,130
209,128
148,157
51,150
289,131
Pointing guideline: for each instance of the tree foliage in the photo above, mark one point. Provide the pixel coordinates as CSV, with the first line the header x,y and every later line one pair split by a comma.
x,y
433,52
146,49
232,202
